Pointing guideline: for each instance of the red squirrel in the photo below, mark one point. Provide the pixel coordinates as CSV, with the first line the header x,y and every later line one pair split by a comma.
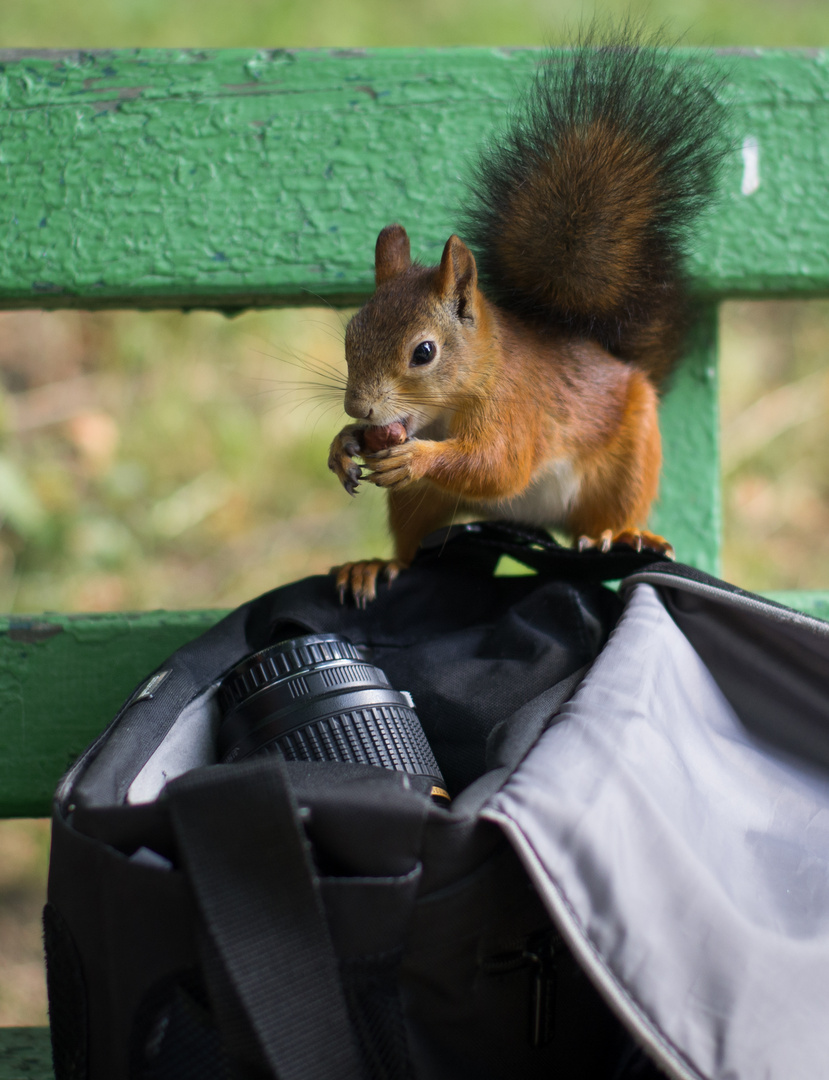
x,y
524,385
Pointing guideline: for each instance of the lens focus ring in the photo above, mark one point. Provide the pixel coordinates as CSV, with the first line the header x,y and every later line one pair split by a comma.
x,y
275,664
315,698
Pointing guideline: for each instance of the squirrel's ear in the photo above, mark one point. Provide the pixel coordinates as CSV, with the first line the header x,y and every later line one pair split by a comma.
x,y
391,253
457,277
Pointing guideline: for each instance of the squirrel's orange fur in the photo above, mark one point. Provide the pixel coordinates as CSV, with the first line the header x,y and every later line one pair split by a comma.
x,y
539,405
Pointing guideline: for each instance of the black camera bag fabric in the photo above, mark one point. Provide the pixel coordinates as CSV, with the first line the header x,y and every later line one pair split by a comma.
x,y
307,921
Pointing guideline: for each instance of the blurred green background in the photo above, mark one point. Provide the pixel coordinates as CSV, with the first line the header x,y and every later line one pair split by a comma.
x,y
172,460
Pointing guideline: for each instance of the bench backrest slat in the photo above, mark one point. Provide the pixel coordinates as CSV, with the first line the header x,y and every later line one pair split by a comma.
x,y
241,177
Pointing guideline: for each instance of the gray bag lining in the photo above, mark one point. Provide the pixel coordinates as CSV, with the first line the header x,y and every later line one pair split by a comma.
x,y
189,744
771,663
683,856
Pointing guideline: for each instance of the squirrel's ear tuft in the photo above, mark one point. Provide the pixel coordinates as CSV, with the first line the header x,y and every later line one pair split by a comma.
x,y
391,253
457,277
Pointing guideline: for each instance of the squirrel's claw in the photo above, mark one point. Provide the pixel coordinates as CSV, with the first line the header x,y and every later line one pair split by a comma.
x,y
638,539
391,467
341,461
359,579
603,541
353,476
642,540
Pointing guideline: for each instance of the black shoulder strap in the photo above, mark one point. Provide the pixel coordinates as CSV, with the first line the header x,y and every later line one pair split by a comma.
x,y
243,847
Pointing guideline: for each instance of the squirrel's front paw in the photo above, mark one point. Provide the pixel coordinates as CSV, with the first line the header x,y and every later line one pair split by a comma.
x,y
398,466
344,448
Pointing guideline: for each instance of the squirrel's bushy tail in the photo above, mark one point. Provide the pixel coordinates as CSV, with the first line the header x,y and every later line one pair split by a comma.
x,y
581,216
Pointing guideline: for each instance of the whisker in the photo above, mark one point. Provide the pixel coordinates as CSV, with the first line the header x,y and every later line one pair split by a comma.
x,y
451,523
303,360
320,370
324,385
323,409
319,381
327,328
417,505
326,303
309,393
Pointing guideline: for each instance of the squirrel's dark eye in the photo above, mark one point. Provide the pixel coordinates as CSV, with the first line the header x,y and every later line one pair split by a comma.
x,y
424,353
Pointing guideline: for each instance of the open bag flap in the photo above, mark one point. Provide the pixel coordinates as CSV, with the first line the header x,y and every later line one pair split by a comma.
x,y
684,854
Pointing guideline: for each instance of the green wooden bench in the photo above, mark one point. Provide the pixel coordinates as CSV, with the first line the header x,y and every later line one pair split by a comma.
x,y
240,179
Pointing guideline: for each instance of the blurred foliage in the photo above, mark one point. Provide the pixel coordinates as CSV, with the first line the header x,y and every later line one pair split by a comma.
x,y
24,850
775,443
174,460
171,460
340,23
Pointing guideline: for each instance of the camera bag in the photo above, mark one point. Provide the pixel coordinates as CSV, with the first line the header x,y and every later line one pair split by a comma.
x,y
632,877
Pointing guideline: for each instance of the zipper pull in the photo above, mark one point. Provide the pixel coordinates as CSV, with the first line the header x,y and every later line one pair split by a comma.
x,y
542,958
539,954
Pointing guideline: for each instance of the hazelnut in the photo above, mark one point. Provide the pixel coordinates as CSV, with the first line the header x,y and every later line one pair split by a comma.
x,y
375,439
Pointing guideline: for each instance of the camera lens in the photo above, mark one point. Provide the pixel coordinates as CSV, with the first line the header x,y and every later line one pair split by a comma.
x,y
314,698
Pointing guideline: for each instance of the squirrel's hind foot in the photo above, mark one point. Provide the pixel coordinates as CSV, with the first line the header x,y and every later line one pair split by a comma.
x,y
359,579
638,539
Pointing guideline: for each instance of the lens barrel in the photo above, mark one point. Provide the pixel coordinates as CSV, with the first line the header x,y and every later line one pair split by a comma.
x,y
314,698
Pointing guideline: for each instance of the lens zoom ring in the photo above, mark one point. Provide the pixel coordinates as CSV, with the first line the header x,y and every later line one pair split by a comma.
x,y
275,663
389,736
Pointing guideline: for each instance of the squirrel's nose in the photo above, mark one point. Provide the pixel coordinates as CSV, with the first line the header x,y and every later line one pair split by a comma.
x,y
358,407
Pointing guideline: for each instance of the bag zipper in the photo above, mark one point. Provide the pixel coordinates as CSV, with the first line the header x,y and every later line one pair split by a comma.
x,y
539,954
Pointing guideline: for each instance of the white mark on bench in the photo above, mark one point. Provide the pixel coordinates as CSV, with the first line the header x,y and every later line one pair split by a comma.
x,y
751,165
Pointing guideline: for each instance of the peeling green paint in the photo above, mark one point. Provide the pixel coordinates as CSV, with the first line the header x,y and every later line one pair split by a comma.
x,y
688,511
32,631
25,1052
62,679
123,173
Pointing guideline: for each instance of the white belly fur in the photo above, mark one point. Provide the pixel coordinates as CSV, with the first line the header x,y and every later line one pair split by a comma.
x,y
546,501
